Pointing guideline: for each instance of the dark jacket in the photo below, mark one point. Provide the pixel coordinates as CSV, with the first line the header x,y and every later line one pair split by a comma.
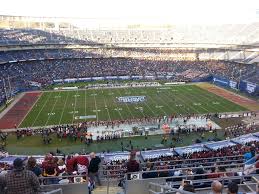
x,y
94,164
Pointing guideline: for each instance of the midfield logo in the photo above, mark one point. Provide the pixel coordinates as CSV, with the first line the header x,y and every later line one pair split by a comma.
x,y
131,99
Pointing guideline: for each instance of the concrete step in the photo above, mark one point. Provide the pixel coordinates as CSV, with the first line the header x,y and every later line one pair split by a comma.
x,y
103,190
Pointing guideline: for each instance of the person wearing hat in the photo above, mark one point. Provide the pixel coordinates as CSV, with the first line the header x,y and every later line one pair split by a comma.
x,y
20,180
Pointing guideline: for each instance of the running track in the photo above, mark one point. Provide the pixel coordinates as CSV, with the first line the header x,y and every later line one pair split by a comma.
x,y
16,114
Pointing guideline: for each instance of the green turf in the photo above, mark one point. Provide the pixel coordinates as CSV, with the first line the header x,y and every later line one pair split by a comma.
x,y
34,144
61,107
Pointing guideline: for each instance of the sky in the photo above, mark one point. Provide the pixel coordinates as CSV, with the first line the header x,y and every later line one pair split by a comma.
x,y
149,11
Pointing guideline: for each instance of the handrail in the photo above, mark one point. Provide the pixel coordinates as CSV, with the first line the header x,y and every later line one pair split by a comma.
x,y
226,161
55,191
197,159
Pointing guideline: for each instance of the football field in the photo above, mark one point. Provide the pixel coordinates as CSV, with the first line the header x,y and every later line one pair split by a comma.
x,y
67,107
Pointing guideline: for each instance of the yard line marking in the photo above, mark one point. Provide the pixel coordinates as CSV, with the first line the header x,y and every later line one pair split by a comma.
x,y
211,95
151,108
52,110
203,96
146,104
42,108
106,107
126,103
75,96
116,105
61,116
96,111
191,102
30,109
169,99
186,107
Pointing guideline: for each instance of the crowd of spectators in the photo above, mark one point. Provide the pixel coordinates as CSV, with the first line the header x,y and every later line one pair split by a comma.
x,y
207,164
24,75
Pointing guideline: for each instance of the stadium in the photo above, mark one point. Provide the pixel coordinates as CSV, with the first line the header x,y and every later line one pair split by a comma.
x,y
115,101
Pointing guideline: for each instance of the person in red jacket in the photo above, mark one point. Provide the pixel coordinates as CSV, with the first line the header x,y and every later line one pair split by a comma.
x,y
70,164
82,164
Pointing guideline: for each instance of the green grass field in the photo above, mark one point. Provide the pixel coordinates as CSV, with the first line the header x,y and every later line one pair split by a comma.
x,y
64,107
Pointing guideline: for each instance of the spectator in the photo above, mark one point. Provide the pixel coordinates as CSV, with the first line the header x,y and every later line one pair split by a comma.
x,y
216,187
32,166
50,169
94,167
133,165
20,180
82,164
233,188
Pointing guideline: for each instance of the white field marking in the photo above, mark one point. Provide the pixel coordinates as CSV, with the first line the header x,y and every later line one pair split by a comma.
x,y
73,112
111,93
167,105
77,95
139,108
199,98
197,104
209,94
146,104
207,99
192,97
35,104
158,106
118,109
96,110
52,110
106,107
174,90
181,106
41,109
61,116
215,102
127,104
165,88
178,105
94,94
74,108
57,97
51,113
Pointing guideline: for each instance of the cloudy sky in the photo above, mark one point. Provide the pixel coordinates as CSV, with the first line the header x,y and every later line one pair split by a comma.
x,y
166,11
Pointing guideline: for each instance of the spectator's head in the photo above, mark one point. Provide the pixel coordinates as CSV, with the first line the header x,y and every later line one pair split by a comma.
x,y
31,163
232,188
60,162
18,164
92,155
189,187
216,187
132,155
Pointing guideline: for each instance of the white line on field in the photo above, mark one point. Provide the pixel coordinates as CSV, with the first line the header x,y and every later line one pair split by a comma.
x,y
116,106
74,107
106,107
96,111
127,104
61,117
46,123
41,109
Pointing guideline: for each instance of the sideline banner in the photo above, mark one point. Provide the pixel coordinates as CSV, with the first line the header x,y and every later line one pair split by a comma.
x,y
156,153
